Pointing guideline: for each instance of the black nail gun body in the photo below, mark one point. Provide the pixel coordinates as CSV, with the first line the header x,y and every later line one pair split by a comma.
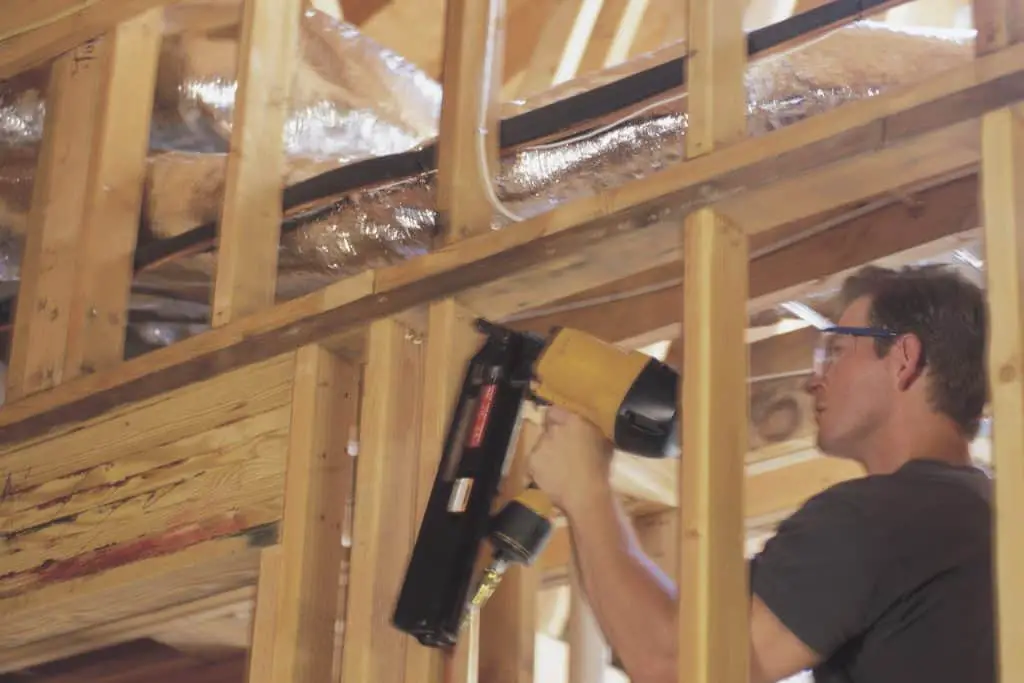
x,y
480,437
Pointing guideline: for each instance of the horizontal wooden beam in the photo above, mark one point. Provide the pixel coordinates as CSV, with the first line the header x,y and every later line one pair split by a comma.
x,y
890,139
32,33
127,602
632,308
206,461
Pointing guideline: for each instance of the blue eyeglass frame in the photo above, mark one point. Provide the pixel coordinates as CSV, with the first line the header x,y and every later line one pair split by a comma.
x,y
850,331
876,332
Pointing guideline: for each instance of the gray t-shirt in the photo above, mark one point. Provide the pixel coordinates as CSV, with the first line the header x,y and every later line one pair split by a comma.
x,y
889,577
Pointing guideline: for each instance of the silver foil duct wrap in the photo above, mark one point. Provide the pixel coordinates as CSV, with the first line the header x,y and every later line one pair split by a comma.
x,y
22,108
352,99
368,228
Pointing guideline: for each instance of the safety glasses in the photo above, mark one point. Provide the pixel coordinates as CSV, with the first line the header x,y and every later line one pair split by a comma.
x,y
826,349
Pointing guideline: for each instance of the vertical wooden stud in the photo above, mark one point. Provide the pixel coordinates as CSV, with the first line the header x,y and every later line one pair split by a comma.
x,y
387,479
249,231
39,338
264,622
110,223
1000,23
299,595
467,164
467,154
712,573
713,599
715,63
450,342
1002,188
84,214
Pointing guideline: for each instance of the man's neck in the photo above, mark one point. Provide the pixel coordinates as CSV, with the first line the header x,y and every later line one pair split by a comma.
x,y
922,438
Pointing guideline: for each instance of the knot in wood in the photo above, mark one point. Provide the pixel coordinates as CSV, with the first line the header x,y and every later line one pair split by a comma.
x,y
1007,372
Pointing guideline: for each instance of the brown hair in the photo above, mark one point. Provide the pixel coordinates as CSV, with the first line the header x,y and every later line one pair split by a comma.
x,y
948,314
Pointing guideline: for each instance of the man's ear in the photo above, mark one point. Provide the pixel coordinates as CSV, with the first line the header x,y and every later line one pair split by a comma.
x,y
907,354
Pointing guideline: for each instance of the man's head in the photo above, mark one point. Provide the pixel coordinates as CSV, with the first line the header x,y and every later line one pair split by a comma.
x,y
909,342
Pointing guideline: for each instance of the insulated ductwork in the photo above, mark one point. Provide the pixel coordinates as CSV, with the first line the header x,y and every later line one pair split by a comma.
x,y
389,223
353,100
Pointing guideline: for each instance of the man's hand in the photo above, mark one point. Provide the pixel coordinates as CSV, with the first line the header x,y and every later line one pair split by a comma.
x,y
571,460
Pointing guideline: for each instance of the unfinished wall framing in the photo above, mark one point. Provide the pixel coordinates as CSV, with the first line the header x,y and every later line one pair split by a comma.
x,y
276,464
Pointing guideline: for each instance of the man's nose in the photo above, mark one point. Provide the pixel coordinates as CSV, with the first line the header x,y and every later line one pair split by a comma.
x,y
813,383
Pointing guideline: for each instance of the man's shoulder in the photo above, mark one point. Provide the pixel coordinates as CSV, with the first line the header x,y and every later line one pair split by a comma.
x,y
843,500
916,482
874,512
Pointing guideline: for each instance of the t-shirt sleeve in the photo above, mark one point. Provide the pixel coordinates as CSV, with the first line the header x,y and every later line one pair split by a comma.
x,y
817,573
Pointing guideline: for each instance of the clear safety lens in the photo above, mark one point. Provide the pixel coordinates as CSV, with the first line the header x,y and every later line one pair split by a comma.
x,y
823,353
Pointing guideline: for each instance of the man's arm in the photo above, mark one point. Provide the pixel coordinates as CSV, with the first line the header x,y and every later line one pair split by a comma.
x,y
775,653
811,584
635,604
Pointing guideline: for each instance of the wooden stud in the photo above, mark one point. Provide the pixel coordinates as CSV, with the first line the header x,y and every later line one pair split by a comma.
x,y
713,602
39,339
1002,176
715,63
264,622
387,481
450,342
249,231
323,409
110,223
77,266
1000,23
467,154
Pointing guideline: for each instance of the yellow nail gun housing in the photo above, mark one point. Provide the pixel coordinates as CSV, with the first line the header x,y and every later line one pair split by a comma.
x,y
630,396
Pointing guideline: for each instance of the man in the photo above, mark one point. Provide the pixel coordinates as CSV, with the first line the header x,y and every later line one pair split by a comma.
x,y
882,579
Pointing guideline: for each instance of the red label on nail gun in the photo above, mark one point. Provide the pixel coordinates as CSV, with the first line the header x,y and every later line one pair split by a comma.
x,y
483,412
